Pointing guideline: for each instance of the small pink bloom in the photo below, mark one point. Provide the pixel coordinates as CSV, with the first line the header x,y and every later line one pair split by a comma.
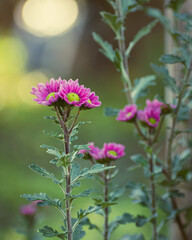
x,y
113,150
28,210
93,101
97,153
128,113
47,94
152,116
73,94
155,103
83,151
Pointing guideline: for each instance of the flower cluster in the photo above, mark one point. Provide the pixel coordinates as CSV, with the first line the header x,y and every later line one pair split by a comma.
x,y
150,116
65,92
109,152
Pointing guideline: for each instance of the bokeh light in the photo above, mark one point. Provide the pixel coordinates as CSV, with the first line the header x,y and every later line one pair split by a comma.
x,y
46,17
25,84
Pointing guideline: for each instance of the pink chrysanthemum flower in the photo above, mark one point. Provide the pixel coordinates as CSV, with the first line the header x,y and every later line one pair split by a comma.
x,y
91,146
150,115
155,103
28,210
74,94
93,101
113,150
97,153
128,113
47,94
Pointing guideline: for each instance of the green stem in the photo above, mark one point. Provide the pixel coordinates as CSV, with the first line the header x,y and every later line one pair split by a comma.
x,y
153,190
106,210
172,134
121,43
68,185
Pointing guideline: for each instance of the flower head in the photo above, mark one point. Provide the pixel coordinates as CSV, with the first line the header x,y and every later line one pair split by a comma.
x,y
150,116
113,150
48,93
28,210
154,104
93,101
128,113
73,93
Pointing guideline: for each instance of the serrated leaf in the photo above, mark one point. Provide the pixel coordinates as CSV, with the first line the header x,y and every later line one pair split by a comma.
x,y
78,232
141,85
50,232
164,73
175,4
82,147
133,237
43,172
111,112
53,151
116,194
125,218
140,159
85,193
95,169
106,48
139,194
156,13
143,32
46,200
114,22
183,36
87,222
171,59
83,213
55,135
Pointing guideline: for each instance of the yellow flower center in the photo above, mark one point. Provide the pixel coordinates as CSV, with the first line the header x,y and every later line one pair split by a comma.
x,y
113,153
152,120
73,97
128,114
89,101
50,95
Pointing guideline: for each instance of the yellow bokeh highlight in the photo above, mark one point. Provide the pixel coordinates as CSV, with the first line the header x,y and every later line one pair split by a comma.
x,y
28,81
48,17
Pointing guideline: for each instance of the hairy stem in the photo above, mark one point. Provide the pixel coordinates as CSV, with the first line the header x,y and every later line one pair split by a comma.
x,y
68,185
121,43
106,210
153,190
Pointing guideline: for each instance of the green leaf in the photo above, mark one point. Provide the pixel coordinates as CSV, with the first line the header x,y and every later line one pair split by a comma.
x,y
86,222
164,73
95,169
83,213
183,36
141,220
125,218
156,13
143,32
78,232
141,85
85,193
139,193
106,48
82,147
53,151
114,22
175,4
165,205
116,194
140,159
46,200
52,118
49,232
111,112
43,172
55,135
133,237
121,67
171,59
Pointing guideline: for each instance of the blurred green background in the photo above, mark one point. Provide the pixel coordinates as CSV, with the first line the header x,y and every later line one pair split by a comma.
x,y
29,56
